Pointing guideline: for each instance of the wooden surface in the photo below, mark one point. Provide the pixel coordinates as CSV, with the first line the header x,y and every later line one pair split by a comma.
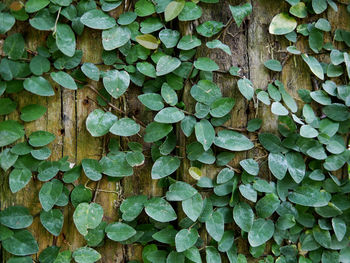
x,y
251,45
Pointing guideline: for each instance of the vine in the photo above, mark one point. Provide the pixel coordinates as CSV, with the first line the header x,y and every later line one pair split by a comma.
x,y
301,214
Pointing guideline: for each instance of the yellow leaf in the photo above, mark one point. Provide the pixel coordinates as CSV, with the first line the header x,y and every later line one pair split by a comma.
x,y
148,41
195,172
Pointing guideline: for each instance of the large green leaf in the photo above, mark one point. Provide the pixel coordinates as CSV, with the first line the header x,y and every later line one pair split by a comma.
x,y
86,255
245,86
19,178
22,243
49,194
99,122
7,22
156,131
160,210
282,24
52,221
173,9
92,169
205,133
167,64
239,12
16,217
192,207
205,91
10,131
65,39
119,231
267,205
32,6
296,166
115,37
97,19
87,216
215,225
180,191
38,86
233,141
243,216
278,165
14,46
152,101
314,65
169,115
310,196
261,231
41,138
164,166
32,112
116,82
125,127
185,239
64,79
132,207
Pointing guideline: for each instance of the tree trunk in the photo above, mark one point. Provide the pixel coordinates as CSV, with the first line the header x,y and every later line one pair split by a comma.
x,y
251,45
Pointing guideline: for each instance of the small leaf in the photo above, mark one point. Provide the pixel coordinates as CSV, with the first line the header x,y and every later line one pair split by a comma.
x,y
97,19
52,221
167,64
243,216
273,65
180,191
21,243
164,166
296,166
116,82
160,210
215,225
233,141
205,133
19,178
314,65
261,231
86,255
218,44
38,86
169,115
245,86
148,41
99,122
115,37
49,194
156,131
87,216
32,112
65,39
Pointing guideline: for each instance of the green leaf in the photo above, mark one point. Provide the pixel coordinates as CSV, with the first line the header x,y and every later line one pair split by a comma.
x,y
155,131
14,46
319,6
50,193
192,207
64,79
167,64
282,24
169,95
7,22
32,112
116,82
164,166
240,12
7,106
191,11
21,243
97,19
339,227
169,115
215,225
273,65
323,237
336,112
115,37
205,64
169,37
278,165
86,255
92,169
296,166
119,231
144,8
267,205
185,239
227,241
310,196
278,109
205,91
248,192
188,42
65,39
250,166
146,69
10,131
32,6
99,122
43,20
180,191
166,235
125,127
16,217
209,28
19,178
218,44
245,86
205,133
212,255
173,9
38,86
243,216
91,71
52,221
148,41
39,65
41,138
160,210
233,141
127,18
307,131
87,216
152,101
132,207
261,231
314,65
299,10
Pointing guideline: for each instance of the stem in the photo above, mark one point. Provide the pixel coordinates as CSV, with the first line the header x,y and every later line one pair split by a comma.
x,y
57,17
